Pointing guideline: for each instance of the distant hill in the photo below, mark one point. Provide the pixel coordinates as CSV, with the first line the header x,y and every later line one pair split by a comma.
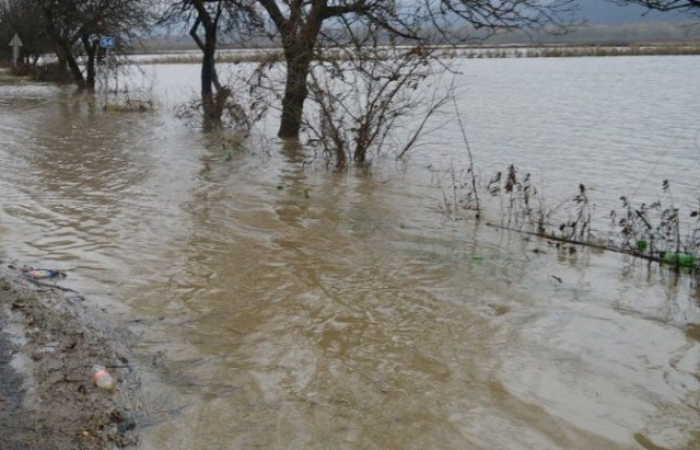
x,y
602,12
607,24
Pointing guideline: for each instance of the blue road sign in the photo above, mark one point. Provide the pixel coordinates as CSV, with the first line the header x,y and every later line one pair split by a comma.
x,y
107,42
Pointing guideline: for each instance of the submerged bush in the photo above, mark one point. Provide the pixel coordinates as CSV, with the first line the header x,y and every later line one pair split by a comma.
x,y
658,231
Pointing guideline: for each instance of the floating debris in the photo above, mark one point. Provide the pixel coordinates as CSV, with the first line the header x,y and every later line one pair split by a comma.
x,y
42,274
678,259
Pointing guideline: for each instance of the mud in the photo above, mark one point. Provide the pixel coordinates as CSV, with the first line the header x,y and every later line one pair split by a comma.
x,y
49,342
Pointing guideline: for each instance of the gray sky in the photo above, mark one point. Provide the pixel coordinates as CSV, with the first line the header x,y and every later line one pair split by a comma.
x,y
604,12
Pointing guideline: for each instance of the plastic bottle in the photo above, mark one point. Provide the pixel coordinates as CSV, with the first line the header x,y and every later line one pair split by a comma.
x,y
102,378
40,274
642,246
680,259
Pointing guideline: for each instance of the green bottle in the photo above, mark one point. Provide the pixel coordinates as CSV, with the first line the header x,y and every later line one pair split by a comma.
x,y
641,246
679,259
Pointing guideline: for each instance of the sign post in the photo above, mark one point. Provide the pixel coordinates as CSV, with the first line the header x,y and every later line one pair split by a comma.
x,y
107,43
15,43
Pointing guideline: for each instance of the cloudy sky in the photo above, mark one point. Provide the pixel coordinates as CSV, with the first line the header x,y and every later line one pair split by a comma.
x,y
604,12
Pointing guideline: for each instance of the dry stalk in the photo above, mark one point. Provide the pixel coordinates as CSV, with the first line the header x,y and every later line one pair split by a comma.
x,y
471,158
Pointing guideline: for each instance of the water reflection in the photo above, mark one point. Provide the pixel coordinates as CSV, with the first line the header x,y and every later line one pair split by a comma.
x,y
278,304
377,335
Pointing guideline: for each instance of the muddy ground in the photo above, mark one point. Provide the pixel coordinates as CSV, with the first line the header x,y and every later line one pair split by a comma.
x,y
49,342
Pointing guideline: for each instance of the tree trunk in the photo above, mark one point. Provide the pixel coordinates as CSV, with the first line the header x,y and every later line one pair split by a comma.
x,y
212,118
66,58
62,62
214,96
209,107
295,91
64,47
75,71
91,50
208,62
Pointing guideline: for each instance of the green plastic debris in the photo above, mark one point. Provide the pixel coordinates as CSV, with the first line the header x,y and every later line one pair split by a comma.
x,y
678,259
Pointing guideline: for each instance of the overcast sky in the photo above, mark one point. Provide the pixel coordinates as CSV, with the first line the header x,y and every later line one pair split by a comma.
x,y
604,12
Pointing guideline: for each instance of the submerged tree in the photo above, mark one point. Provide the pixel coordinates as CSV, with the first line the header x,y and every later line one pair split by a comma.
x,y
305,29
363,90
75,27
208,18
303,26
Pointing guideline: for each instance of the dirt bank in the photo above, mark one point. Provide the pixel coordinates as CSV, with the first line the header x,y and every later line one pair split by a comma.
x,y
49,342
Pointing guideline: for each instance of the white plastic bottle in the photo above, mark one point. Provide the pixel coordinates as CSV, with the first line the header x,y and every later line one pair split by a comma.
x,y
103,379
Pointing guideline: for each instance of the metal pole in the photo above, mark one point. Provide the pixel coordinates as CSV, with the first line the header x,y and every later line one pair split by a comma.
x,y
106,69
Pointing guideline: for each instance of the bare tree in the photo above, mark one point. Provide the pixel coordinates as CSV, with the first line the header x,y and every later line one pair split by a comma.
x,y
301,25
206,19
304,28
75,27
363,89
64,33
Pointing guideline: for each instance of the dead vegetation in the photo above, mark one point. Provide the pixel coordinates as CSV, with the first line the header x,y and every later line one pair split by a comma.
x,y
659,231
369,98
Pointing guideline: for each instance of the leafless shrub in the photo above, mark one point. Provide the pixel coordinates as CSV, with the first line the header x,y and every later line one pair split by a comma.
x,y
472,197
517,199
365,93
578,227
463,195
658,231
243,106
656,228
127,87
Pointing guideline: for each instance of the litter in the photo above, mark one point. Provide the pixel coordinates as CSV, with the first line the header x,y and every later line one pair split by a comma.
x,y
678,259
103,379
43,274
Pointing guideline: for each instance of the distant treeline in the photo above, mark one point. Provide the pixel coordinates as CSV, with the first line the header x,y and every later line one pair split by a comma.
x,y
642,33
603,35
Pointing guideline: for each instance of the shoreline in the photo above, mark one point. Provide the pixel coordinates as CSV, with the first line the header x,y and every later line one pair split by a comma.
x,y
49,342
258,55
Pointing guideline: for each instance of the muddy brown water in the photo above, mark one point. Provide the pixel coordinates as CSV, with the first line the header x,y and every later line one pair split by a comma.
x,y
279,305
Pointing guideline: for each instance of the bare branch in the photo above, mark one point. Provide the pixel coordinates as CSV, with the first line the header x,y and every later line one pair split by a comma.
x,y
689,6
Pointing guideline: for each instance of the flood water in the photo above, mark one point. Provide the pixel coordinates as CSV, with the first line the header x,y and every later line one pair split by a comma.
x,y
278,305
